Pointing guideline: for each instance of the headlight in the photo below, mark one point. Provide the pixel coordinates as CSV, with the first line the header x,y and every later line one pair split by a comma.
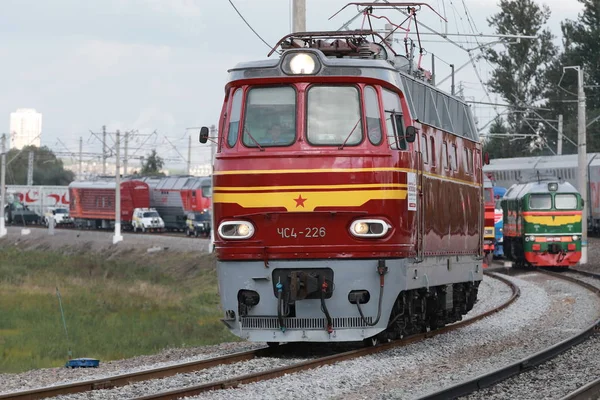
x,y
236,230
575,237
369,228
300,64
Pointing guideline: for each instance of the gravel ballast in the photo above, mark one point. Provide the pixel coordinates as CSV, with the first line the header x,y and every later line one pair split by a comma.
x,y
556,378
491,294
547,312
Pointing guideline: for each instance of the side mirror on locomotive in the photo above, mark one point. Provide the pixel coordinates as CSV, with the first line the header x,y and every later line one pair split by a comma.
x,y
203,135
411,133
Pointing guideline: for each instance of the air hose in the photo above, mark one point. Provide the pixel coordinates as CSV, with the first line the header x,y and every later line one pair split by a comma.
x,y
279,287
381,270
324,287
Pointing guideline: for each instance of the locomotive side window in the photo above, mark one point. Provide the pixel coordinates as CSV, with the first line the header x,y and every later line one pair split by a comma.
x,y
540,201
270,118
432,140
565,201
454,158
334,116
391,106
234,118
423,148
373,116
445,155
471,161
431,116
442,106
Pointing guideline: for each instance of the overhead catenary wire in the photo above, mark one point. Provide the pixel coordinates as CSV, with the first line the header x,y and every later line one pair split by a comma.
x,y
248,24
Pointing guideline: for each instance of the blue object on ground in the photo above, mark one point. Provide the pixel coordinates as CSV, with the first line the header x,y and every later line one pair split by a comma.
x,y
83,363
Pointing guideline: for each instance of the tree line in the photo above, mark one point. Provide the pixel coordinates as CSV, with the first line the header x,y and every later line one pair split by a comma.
x,y
529,73
49,170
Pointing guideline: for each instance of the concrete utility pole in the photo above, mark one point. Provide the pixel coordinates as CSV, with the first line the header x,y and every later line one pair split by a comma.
x,y
582,159
299,16
30,169
189,157
80,177
125,155
3,187
560,135
118,237
104,155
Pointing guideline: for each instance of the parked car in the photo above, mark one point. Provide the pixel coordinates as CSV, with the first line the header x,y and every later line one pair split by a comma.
x,y
147,219
60,215
198,223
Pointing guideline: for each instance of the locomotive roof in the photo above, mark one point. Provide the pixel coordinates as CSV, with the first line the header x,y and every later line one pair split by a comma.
x,y
177,182
539,162
101,184
519,190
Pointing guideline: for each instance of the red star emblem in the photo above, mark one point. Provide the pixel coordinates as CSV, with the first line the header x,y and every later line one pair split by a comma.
x,y
299,201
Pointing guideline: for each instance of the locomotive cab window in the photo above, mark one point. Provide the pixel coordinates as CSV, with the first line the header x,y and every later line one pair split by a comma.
x,y
392,107
373,116
234,118
540,201
270,118
334,116
565,201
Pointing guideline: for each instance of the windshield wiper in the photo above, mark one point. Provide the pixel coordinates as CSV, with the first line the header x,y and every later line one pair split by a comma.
x,y
251,137
350,134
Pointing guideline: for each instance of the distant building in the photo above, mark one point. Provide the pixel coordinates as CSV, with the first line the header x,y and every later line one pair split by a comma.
x,y
25,128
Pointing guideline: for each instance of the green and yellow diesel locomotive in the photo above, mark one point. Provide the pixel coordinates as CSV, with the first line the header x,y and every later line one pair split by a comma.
x,y
542,223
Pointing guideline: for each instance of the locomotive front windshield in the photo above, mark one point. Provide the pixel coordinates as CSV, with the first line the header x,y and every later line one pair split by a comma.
x,y
270,117
565,201
333,116
206,191
540,201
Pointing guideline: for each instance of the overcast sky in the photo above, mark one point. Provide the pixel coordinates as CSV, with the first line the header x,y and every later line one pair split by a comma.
x,y
162,64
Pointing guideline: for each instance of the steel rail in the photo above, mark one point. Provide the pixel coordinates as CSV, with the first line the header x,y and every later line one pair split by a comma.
x,y
163,372
587,392
126,379
348,355
526,364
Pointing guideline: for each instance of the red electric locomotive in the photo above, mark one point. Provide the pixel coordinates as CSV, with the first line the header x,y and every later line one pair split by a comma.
x,y
92,204
347,195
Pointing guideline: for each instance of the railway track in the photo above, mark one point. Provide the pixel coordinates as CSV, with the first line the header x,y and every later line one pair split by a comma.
x,y
126,379
491,378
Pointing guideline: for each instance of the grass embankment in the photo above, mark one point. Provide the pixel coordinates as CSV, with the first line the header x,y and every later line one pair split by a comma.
x,y
131,305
